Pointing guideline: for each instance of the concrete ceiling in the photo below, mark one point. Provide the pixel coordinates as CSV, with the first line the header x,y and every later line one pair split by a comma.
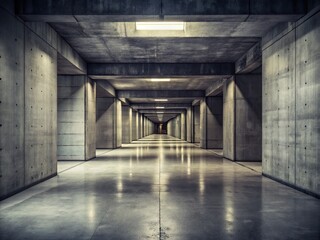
x,y
200,41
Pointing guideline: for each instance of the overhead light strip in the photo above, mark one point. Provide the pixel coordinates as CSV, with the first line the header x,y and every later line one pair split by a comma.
x,y
160,26
160,79
161,100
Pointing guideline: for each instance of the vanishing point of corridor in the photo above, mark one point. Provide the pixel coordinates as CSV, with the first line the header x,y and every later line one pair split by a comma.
x,y
159,188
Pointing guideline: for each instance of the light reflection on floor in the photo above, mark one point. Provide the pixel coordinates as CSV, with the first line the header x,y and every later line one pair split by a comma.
x,y
160,188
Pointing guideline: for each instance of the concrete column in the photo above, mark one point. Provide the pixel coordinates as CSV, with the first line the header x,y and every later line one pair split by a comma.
x,y
169,128
242,131
145,128
177,127
76,118
189,125
126,124
141,125
108,118
183,127
134,125
196,123
211,123
118,123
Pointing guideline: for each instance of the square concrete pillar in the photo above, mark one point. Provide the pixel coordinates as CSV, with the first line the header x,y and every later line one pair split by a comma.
x,y
126,124
108,120
76,117
242,122
211,124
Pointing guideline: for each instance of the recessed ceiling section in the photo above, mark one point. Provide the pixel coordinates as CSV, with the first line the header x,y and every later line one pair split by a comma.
x,y
161,50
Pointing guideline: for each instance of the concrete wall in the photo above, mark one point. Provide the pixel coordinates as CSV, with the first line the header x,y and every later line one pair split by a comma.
x,y
291,115
28,107
211,112
196,124
76,118
242,131
107,120
134,128
126,124
189,125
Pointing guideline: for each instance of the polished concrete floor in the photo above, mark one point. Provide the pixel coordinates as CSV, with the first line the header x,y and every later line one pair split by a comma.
x,y
159,188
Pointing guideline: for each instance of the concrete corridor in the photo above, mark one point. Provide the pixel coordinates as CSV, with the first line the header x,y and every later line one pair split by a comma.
x,y
159,188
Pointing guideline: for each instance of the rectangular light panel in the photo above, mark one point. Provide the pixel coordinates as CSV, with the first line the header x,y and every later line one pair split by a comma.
x,y
160,26
160,80
159,107
161,100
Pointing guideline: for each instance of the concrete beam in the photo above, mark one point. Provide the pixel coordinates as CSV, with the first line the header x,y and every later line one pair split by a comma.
x,y
163,111
155,105
127,10
196,102
69,61
96,70
249,61
216,88
107,87
160,94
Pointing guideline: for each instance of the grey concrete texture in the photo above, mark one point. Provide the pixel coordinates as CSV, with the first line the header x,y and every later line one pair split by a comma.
x,y
71,113
105,123
98,70
76,117
189,125
11,104
212,123
290,106
40,108
196,123
248,118
229,119
134,129
183,126
118,123
250,61
28,69
85,10
76,65
126,124
90,118
174,127
242,122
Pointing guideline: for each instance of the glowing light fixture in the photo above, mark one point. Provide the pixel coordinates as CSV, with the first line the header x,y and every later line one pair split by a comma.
x,y
160,80
160,26
160,112
161,100
160,107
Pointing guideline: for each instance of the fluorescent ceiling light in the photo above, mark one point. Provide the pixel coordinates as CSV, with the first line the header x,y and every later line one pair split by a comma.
x,y
160,107
156,26
160,79
160,112
161,100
